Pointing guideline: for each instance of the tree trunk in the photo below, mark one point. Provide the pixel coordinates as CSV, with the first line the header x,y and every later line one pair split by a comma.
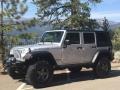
x,y
2,47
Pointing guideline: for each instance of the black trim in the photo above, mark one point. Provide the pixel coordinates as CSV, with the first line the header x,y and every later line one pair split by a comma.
x,y
86,65
105,53
35,56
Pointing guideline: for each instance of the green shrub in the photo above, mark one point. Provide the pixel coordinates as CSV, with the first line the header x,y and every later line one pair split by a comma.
x,y
116,46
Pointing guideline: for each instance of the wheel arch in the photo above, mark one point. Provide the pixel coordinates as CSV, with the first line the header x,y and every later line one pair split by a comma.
x,y
101,54
41,55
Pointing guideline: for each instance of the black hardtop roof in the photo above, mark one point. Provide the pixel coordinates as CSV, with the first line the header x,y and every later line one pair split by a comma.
x,y
84,31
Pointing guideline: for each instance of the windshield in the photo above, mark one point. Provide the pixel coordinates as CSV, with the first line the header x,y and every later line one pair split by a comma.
x,y
52,37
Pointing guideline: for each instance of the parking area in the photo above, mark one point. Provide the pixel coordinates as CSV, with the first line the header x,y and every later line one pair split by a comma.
x,y
85,80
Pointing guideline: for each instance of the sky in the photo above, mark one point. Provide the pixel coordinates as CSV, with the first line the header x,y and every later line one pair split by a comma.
x,y
107,8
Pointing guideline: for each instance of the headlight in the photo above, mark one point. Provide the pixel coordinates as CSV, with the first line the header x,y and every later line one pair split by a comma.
x,y
12,59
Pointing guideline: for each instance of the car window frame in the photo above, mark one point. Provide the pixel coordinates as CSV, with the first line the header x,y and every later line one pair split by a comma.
x,y
89,43
74,32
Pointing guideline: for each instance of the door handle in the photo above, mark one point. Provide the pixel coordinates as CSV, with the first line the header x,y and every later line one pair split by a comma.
x,y
93,46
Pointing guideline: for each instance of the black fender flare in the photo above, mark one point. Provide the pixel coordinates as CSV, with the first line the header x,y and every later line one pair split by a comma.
x,y
100,54
33,57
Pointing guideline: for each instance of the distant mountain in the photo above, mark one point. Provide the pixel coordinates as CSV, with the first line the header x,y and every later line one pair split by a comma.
x,y
36,29
114,26
41,29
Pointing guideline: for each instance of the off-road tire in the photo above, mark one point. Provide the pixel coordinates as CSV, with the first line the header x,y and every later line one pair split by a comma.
x,y
102,68
33,74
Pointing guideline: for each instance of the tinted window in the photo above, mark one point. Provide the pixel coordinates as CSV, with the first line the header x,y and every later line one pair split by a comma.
x,y
73,37
103,39
89,38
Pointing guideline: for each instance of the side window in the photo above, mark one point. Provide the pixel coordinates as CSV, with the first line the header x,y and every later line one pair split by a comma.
x,y
89,38
103,39
73,37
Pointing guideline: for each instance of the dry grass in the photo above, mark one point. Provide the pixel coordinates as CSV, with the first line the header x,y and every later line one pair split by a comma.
x,y
117,57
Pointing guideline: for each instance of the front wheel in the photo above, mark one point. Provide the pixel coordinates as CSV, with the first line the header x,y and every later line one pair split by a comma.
x,y
15,74
39,74
102,68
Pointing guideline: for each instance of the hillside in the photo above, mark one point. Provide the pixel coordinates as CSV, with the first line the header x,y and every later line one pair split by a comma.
x,y
36,29
41,29
114,26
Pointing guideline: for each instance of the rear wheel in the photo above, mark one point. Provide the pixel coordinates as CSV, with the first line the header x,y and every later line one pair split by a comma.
x,y
103,67
39,74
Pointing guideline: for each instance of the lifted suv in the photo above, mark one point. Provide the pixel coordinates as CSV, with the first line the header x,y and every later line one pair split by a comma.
x,y
59,49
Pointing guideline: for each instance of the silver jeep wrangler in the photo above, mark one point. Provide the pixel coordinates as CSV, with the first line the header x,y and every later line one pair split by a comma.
x,y
60,49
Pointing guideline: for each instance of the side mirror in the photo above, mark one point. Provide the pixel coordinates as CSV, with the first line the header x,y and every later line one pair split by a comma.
x,y
67,42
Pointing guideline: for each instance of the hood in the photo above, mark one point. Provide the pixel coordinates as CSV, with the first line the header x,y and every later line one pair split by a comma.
x,y
20,51
37,46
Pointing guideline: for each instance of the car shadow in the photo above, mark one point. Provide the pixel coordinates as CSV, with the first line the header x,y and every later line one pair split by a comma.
x,y
66,78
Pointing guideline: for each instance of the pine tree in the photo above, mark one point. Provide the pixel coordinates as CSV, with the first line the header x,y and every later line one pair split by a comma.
x,y
10,13
66,13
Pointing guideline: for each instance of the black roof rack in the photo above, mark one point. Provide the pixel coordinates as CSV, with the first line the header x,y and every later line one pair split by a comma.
x,y
85,30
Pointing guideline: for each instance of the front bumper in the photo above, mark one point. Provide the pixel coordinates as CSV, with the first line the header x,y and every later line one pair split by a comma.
x,y
12,62
15,64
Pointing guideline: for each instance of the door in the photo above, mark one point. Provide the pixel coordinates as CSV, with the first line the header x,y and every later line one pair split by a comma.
x,y
89,47
71,53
